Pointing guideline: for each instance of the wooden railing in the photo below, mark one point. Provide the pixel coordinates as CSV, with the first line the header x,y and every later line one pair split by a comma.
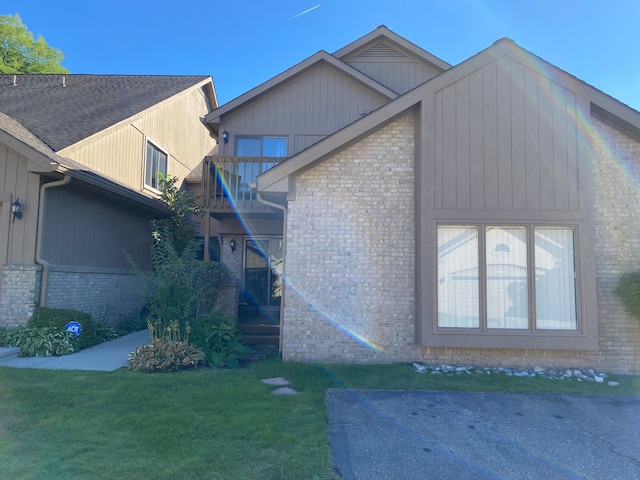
x,y
229,183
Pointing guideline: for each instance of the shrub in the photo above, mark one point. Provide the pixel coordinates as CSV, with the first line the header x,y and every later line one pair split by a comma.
x,y
180,287
166,356
629,291
3,336
41,341
57,318
106,333
218,338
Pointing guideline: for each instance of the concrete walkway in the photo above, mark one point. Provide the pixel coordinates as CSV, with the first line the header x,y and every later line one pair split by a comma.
x,y
105,357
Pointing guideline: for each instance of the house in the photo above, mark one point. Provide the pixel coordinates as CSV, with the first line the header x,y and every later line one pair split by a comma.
x,y
381,205
80,154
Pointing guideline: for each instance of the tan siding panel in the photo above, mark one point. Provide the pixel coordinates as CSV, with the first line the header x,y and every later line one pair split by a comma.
x,y
398,76
560,164
490,128
547,190
506,139
449,171
118,152
572,152
532,139
518,161
476,144
318,102
438,154
463,167
505,184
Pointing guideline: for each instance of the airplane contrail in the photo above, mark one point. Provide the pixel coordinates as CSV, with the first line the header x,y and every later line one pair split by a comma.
x,y
302,13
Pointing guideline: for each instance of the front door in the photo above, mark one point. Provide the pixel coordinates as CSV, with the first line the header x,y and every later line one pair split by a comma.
x,y
262,281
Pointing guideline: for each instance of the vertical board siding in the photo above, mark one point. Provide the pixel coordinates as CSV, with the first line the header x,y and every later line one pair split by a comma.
x,y
398,76
506,139
108,230
316,103
17,182
119,152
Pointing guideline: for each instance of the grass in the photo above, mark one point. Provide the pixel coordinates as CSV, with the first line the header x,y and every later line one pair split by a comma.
x,y
204,424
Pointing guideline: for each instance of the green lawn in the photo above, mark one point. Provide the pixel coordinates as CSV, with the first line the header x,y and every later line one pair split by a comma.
x,y
205,424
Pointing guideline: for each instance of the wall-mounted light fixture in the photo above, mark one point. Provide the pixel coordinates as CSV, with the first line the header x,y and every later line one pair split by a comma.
x,y
225,137
232,244
16,210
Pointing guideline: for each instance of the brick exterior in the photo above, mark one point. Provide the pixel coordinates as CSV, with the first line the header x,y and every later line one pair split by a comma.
x,y
350,254
350,259
20,287
107,294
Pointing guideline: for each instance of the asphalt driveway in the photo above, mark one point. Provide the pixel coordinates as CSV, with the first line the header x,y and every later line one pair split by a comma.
x,y
441,435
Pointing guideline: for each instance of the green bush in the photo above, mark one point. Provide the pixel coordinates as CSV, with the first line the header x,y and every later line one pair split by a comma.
x,y
165,356
57,318
629,291
41,341
218,338
106,333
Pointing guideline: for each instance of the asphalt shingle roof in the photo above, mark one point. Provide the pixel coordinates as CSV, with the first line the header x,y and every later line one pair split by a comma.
x,y
63,115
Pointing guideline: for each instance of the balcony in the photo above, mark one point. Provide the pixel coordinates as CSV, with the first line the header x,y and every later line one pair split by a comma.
x,y
227,189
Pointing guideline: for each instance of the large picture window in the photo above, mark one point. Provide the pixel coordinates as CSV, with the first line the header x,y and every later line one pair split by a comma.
x,y
506,278
155,163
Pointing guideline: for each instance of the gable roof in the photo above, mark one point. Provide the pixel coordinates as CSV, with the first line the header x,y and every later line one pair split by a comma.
x,y
278,179
61,110
381,34
213,117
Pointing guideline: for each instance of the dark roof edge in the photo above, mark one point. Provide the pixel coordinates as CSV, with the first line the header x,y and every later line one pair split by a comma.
x,y
110,186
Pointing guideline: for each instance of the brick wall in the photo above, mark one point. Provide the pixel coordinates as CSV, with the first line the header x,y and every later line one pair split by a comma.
x,y
350,259
107,294
20,287
350,254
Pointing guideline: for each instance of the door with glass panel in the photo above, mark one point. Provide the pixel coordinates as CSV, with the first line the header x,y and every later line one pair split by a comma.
x,y
262,281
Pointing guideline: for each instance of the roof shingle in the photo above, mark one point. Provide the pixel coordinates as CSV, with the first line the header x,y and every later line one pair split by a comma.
x,y
63,115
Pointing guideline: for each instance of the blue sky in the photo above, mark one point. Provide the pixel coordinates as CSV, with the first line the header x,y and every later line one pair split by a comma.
x,y
242,43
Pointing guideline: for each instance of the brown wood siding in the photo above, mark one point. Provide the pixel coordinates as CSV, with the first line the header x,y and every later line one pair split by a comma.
x,y
313,105
175,126
506,139
84,228
393,67
398,76
17,182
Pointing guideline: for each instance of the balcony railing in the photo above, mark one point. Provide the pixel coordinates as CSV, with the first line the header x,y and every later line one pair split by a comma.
x,y
228,185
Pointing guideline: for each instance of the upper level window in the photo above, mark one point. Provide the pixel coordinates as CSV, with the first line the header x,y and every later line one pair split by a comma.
x,y
155,163
261,147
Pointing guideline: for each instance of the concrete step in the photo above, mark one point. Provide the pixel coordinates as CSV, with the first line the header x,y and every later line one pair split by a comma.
x,y
8,352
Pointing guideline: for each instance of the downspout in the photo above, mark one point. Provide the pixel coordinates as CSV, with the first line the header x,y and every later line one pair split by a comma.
x,y
39,260
284,258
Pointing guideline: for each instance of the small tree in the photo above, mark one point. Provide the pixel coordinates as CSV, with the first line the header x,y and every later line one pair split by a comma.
x,y
184,205
21,53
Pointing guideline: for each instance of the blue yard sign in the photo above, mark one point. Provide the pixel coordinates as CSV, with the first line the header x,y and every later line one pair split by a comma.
x,y
73,327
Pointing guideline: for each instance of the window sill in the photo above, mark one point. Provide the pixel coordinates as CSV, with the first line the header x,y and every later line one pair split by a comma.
x,y
522,341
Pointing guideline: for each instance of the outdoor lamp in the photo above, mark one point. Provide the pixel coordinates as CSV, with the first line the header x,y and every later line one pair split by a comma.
x,y
232,244
16,210
225,136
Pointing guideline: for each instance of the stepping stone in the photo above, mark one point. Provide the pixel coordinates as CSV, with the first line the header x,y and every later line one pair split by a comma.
x,y
284,391
277,381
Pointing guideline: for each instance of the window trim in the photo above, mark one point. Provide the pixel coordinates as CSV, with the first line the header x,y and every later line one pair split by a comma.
x,y
155,145
585,337
261,138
